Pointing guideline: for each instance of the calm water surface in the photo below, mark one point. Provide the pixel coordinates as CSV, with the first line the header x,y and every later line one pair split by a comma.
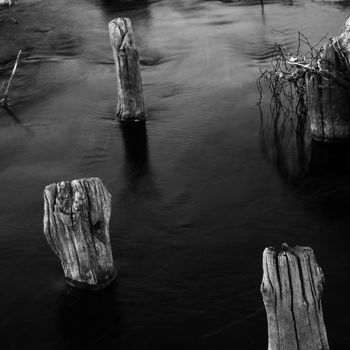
x,y
197,195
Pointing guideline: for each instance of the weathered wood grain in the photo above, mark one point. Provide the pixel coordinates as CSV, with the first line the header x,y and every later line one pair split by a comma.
x,y
328,91
344,38
130,106
76,226
291,288
7,2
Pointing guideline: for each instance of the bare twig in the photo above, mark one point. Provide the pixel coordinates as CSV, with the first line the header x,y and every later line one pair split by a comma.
x,y
286,80
4,100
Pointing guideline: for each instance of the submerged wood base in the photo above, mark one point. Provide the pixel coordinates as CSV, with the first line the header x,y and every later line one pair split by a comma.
x,y
291,288
92,287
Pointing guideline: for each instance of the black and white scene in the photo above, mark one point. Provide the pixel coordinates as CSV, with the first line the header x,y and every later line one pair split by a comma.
x,y
175,174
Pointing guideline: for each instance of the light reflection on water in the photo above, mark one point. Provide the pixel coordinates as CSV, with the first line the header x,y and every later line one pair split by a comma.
x,y
197,195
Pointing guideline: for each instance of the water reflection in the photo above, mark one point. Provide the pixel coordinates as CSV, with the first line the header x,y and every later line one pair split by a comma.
x,y
12,117
88,320
285,142
319,171
112,7
137,170
13,137
342,4
329,158
256,2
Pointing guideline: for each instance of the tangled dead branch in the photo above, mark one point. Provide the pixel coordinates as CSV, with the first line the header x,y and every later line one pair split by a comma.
x,y
290,72
313,81
286,80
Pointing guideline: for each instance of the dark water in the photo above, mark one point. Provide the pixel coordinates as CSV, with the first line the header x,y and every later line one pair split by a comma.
x,y
197,195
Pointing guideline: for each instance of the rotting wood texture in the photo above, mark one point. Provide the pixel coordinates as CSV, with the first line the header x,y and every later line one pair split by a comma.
x,y
328,91
76,226
292,286
130,105
7,2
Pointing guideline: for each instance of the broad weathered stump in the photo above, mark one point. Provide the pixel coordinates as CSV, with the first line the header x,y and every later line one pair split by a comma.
x,y
76,226
328,91
291,288
130,106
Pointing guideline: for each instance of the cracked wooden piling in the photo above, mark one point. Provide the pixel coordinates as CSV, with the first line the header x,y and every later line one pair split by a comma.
x,y
328,91
76,226
130,105
7,3
291,288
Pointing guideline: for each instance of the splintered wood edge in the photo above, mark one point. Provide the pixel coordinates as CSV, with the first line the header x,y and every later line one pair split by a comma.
x,y
274,288
121,34
50,193
52,188
345,31
7,3
271,266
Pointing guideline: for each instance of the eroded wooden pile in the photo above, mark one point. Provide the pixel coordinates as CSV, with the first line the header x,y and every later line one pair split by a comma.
x,y
292,286
130,106
329,90
76,226
7,2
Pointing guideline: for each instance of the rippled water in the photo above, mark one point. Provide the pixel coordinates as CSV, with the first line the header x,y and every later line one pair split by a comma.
x,y
197,195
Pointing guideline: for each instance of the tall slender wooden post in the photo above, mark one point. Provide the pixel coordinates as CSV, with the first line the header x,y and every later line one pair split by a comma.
x,y
328,91
291,288
76,226
130,107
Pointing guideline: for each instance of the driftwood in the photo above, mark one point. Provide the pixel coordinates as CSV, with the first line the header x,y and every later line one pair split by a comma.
x,y
328,91
291,288
130,107
76,226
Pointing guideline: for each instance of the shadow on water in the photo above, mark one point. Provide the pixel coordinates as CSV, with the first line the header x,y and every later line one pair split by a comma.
x,y
336,3
88,320
329,159
137,171
11,115
111,6
317,171
326,183
255,2
341,4
286,143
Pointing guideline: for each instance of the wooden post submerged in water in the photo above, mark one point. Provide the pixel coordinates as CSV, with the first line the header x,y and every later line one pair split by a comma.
x,y
7,2
328,91
76,226
291,288
130,107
